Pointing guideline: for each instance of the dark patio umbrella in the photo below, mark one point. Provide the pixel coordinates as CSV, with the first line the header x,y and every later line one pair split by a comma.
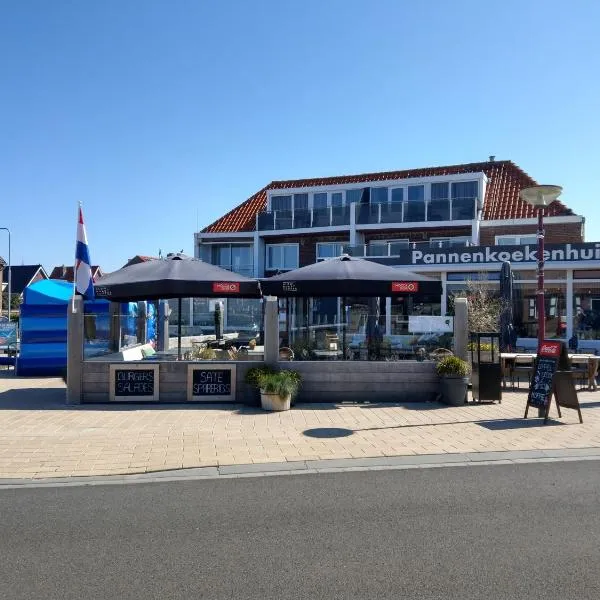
x,y
177,276
349,276
507,329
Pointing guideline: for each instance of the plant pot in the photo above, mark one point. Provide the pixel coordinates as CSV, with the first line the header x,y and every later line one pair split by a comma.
x,y
274,401
454,389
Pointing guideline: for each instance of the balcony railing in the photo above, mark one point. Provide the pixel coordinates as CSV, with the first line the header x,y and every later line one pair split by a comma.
x,y
417,211
413,211
331,216
381,249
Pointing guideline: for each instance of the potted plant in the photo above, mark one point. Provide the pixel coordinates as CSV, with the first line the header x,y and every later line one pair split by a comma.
x,y
276,387
454,377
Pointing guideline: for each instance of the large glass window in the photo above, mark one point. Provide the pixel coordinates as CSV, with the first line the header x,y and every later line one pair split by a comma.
x,y
329,250
234,257
300,201
439,191
353,196
397,194
320,200
282,256
337,199
465,189
281,203
416,192
379,195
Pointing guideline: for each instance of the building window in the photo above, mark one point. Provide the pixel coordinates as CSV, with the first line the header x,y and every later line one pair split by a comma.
x,y
281,203
337,199
320,200
397,194
516,240
234,257
329,250
439,191
300,201
379,195
416,192
465,189
353,196
282,257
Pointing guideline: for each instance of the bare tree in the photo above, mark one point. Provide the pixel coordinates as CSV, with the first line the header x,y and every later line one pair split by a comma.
x,y
484,304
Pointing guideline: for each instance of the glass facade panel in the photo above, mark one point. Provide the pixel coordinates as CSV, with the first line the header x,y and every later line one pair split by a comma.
x,y
337,199
439,191
414,211
281,203
353,196
586,311
438,210
282,256
300,201
302,219
463,209
321,217
397,194
392,213
329,249
416,192
379,195
465,189
320,200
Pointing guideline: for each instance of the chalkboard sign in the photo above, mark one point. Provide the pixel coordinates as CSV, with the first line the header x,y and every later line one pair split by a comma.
x,y
134,382
546,380
211,382
565,393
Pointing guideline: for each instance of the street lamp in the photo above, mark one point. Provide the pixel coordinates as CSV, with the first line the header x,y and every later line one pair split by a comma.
x,y
9,270
540,196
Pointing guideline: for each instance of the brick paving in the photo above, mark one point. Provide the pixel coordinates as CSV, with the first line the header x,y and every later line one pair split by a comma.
x,y
41,437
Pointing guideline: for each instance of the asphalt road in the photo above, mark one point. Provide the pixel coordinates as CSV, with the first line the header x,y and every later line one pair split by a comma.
x,y
497,532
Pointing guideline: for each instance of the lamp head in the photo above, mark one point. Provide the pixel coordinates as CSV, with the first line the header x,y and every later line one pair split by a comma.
x,y
540,195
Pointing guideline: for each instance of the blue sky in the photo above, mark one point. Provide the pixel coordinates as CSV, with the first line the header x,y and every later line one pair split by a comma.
x,y
159,115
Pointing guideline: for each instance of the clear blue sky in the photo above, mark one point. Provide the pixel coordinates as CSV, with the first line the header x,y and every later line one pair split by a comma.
x,y
162,114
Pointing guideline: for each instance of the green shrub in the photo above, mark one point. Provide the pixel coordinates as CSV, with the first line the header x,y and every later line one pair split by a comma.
x,y
453,365
282,383
254,374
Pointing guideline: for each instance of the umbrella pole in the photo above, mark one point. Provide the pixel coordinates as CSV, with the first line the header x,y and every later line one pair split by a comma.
x,y
344,327
179,329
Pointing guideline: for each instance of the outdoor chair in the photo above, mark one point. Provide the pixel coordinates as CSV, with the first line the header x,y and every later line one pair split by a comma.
x,y
580,372
523,365
286,353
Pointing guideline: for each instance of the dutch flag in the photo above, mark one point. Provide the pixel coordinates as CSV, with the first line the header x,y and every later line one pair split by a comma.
x,y
84,283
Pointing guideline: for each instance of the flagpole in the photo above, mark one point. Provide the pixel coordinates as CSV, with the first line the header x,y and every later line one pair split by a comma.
x,y
73,311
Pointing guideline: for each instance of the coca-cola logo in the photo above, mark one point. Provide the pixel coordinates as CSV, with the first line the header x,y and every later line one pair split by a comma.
x,y
405,286
550,349
226,287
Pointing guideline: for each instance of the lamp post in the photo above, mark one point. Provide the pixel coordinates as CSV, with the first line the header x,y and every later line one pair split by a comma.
x,y
540,196
9,270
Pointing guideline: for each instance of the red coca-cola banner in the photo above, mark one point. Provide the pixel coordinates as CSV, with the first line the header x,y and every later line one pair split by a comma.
x,y
226,287
551,349
405,286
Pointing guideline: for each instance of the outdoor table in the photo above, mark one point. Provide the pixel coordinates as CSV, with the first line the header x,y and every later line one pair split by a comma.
x,y
593,361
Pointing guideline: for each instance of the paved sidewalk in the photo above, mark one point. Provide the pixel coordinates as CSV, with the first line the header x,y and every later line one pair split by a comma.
x,y
40,437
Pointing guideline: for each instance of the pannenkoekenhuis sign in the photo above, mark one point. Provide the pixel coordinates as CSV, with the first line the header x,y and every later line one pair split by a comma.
x,y
500,254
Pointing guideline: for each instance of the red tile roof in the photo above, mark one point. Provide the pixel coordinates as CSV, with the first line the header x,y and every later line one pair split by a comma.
x,y
505,180
138,258
66,273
